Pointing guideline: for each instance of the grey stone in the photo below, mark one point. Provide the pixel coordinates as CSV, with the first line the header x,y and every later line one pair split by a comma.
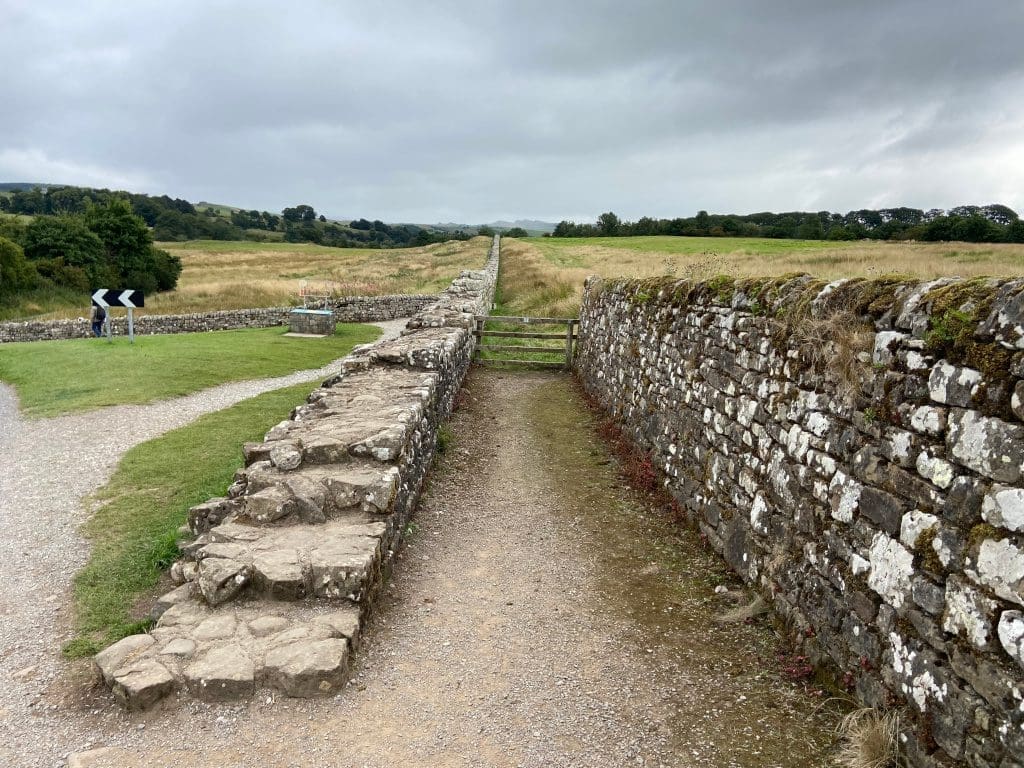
x,y
285,456
221,673
180,647
928,595
951,385
1004,507
141,684
267,625
882,508
306,668
123,652
988,445
217,627
220,579
969,613
165,601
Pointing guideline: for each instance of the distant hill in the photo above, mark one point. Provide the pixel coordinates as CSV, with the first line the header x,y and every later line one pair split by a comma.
x,y
22,186
530,225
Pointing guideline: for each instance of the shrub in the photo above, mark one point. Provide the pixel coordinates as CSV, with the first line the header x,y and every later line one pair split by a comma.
x,y
16,272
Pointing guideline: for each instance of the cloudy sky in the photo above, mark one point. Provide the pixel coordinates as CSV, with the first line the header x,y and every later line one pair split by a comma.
x,y
474,110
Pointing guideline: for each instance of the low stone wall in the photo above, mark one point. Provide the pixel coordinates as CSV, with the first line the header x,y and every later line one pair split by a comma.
x,y
856,451
282,570
353,309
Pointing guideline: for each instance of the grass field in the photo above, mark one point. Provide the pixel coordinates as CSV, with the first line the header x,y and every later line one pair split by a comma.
x,y
237,275
54,377
544,276
133,531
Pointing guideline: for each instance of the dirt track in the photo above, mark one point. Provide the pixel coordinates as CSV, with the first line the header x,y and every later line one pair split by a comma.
x,y
539,615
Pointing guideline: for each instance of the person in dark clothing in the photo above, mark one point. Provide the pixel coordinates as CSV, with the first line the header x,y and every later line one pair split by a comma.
x,y
99,314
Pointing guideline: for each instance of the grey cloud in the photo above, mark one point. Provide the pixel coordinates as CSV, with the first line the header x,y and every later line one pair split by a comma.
x,y
471,111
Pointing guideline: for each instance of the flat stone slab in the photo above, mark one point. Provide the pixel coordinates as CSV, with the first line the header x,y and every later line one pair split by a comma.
x,y
337,559
217,654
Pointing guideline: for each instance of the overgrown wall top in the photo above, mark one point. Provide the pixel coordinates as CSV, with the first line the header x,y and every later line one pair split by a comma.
x,y
856,450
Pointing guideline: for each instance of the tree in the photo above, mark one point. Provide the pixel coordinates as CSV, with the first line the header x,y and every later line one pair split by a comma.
x,y
16,272
608,224
66,238
517,232
485,230
126,239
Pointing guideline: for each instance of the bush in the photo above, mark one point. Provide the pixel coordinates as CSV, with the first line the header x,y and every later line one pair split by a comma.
x,y
167,269
16,272
66,238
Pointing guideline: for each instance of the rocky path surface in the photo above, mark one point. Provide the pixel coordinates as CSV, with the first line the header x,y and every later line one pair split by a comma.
x,y
47,467
541,614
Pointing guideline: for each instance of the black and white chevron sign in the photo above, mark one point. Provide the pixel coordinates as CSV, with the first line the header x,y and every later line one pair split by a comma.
x,y
106,297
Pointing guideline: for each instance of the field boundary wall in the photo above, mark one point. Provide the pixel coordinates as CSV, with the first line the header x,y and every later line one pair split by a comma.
x,y
352,309
855,451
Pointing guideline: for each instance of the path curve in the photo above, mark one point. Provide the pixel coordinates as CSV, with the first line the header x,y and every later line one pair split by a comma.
x,y
47,467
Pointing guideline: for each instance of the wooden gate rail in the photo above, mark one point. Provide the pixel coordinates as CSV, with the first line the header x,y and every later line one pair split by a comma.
x,y
568,336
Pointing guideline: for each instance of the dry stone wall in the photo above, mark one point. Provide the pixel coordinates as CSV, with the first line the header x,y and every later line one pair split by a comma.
x,y
856,451
352,309
283,568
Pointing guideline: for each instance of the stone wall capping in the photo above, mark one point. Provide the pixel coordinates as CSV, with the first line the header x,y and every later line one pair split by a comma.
x,y
887,516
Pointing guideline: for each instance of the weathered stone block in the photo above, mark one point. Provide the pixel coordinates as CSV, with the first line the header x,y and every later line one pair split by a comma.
x,y
988,445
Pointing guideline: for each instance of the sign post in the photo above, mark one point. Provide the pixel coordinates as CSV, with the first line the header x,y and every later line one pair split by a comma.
x,y
127,298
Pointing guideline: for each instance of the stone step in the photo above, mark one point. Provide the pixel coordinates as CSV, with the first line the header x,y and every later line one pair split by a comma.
x,y
224,653
265,495
337,559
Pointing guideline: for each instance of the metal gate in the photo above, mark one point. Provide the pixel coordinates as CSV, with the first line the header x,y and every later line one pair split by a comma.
x,y
538,352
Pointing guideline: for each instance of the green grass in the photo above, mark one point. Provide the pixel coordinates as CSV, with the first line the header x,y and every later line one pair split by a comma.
x,y
54,377
134,531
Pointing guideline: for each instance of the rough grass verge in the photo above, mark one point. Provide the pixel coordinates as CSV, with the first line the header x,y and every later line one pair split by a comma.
x,y
869,739
55,377
133,531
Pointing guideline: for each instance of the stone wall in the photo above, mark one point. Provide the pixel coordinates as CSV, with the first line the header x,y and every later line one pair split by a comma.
x,y
352,309
855,450
282,570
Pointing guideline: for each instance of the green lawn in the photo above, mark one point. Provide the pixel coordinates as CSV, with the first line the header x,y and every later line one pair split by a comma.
x,y
134,531
54,377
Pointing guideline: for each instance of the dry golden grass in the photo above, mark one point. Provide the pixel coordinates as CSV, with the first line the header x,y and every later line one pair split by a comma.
x,y
545,275
239,275
869,740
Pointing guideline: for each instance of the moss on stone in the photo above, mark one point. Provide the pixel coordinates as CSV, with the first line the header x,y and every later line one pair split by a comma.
x,y
925,550
980,533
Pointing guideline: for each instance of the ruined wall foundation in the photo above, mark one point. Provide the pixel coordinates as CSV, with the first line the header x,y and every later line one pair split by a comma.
x,y
855,450
279,573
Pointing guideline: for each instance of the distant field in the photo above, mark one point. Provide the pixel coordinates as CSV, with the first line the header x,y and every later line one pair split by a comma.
x,y
236,275
544,276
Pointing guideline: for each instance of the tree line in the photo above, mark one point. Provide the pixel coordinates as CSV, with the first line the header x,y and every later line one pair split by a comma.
x,y
969,223
177,220
106,245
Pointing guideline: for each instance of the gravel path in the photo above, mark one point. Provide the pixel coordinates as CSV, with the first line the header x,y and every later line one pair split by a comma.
x,y
47,467
541,614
